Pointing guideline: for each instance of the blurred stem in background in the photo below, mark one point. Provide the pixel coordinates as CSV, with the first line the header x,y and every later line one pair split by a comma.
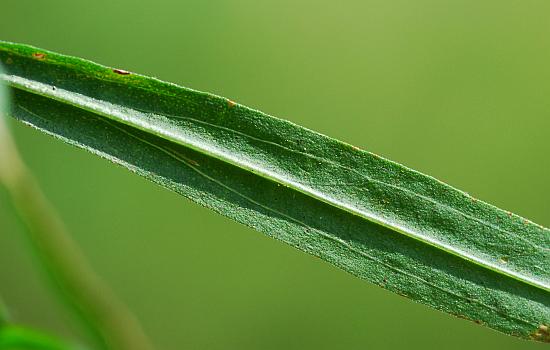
x,y
109,322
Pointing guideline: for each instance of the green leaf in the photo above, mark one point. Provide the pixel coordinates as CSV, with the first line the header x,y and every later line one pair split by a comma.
x,y
376,219
18,338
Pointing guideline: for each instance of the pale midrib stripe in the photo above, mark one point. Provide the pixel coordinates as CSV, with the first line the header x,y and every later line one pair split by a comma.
x,y
366,177
114,112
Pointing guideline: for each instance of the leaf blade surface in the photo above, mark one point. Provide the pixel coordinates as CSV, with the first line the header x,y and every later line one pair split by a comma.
x,y
372,217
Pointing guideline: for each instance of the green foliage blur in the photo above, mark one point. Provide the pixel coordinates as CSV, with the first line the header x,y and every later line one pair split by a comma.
x,y
457,89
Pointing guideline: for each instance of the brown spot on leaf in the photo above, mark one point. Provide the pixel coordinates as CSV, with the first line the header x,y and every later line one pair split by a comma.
x,y
231,103
121,71
9,60
504,260
542,334
39,55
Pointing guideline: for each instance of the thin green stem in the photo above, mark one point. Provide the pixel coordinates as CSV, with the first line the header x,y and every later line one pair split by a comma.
x,y
111,324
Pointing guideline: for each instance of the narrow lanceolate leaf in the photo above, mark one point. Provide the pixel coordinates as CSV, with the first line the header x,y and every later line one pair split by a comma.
x,y
379,220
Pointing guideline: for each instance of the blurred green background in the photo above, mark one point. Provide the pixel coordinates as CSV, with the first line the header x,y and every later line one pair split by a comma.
x,y
456,89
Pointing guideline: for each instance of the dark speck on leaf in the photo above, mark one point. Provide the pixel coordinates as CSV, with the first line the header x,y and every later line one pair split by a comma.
x,y
121,72
39,55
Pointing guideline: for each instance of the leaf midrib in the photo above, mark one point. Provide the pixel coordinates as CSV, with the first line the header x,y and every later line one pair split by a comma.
x,y
121,114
